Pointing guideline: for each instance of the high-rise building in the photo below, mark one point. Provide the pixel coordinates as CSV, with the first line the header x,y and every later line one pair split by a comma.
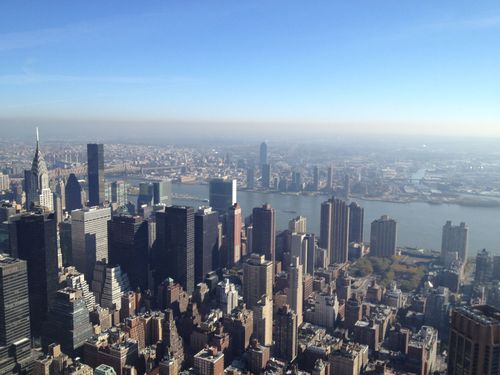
x,y
250,178
206,243
296,289
128,245
15,349
257,279
76,280
89,238
95,169
315,184
455,239
334,229
266,175
383,237
36,182
233,235
474,346
209,361
329,178
174,247
61,192
108,285
146,195
264,231
227,296
34,239
286,334
484,267
162,192
222,194
347,186
119,193
68,322
298,225
4,182
263,320
263,154
311,254
356,220
74,194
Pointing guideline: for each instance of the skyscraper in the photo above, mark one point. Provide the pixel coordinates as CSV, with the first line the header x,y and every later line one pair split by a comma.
x,y
95,157
74,194
222,194
474,346
329,179
315,184
89,238
162,192
174,249
233,235
15,348
68,322
128,245
119,193
264,231
250,178
146,195
36,182
34,239
257,279
455,239
61,192
383,237
334,229
286,334
263,154
298,225
295,289
266,176
356,220
206,243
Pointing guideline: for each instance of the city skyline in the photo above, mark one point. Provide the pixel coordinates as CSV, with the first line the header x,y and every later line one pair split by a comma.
x,y
331,68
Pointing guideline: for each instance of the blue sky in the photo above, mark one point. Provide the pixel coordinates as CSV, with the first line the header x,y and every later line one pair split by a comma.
x,y
394,66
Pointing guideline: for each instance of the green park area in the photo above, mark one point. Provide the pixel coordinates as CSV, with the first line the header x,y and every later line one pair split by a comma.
x,y
407,276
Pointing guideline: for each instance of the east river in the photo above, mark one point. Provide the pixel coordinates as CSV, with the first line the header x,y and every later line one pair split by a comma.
x,y
419,224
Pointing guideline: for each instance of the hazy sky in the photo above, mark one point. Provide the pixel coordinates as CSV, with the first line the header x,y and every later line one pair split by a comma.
x,y
412,66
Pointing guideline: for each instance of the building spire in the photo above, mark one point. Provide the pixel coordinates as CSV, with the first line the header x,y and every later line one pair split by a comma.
x,y
37,138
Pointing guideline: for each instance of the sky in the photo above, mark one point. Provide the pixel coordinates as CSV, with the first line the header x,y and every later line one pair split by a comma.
x,y
414,67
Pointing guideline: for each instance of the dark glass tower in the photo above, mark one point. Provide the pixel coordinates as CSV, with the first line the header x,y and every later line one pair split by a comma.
x,y
334,229
222,194
174,247
95,156
128,247
206,243
68,322
15,350
263,153
264,232
357,215
73,194
34,239
383,237
162,192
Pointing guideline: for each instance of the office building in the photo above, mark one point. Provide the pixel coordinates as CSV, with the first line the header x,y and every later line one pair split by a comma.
x,y
174,247
61,192
311,253
67,322
4,182
34,239
263,320
104,370
222,194
128,246
119,193
334,230
227,296
89,238
206,243
286,335
146,195
263,154
329,178
356,219
95,169
266,176
315,184
298,225
350,359
76,280
162,192
383,237
484,267
257,279
74,194
455,239
36,182
264,232
108,285
15,348
295,289
232,241
474,346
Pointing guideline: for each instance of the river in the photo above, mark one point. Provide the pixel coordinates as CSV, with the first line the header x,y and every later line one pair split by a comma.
x,y
419,224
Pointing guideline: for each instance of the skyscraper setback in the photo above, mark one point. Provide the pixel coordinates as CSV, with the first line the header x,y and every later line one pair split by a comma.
x,y
95,169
